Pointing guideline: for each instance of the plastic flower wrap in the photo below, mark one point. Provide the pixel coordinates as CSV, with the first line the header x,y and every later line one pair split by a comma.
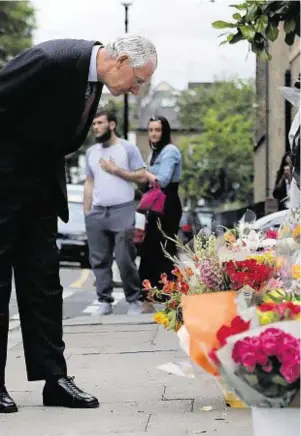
x,y
288,254
262,365
244,241
209,319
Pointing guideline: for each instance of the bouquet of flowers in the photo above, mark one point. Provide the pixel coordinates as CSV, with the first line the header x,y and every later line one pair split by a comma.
x,y
171,294
262,365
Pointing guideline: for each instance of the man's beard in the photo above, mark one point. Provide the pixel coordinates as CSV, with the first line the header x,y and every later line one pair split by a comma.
x,y
105,137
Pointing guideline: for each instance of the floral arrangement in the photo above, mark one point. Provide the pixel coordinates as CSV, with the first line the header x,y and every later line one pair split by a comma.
x,y
269,362
248,272
229,295
263,364
275,312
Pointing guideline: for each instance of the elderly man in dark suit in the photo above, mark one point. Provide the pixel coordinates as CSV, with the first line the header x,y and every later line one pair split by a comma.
x,y
58,83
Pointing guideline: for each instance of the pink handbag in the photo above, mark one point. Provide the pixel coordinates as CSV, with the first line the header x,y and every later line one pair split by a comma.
x,y
152,201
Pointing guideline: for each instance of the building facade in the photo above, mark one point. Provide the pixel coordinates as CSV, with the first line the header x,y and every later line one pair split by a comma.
x,y
274,116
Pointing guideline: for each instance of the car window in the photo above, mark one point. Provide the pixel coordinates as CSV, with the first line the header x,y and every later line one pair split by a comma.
x,y
205,219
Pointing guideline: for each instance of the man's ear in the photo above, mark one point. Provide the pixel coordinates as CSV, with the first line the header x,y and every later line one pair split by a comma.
x,y
121,60
113,126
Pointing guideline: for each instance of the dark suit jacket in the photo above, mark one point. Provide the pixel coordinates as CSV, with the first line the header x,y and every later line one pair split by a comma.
x,y
42,98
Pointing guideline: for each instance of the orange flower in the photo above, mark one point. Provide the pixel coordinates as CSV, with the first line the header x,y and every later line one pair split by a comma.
x,y
188,272
296,273
229,237
146,285
176,272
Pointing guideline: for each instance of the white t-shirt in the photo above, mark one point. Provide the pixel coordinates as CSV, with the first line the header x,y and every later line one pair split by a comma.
x,y
111,190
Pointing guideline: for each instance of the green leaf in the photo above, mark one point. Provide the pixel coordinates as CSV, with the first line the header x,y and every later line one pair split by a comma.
x,y
278,380
236,38
252,379
172,320
240,7
248,32
289,25
251,12
290,38
261,24
265,55
272,33
222,25
237,16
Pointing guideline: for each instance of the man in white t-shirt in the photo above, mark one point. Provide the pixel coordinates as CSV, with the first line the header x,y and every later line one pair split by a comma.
x,y
110,211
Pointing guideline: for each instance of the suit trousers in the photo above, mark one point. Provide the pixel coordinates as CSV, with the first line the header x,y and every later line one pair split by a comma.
x,y
28,249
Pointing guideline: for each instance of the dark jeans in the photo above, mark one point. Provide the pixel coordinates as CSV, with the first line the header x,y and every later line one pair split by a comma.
x,y
28,247
112,230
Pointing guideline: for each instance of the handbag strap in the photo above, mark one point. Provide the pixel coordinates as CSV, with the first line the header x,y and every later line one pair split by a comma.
x,y
156,184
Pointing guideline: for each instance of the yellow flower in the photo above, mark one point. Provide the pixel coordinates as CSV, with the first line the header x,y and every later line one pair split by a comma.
x,y
280,262
296,273
284,232
277,294
296,232
161,318
267,317
267,258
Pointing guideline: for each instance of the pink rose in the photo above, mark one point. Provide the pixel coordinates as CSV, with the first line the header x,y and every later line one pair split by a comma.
x,y
272,332
289,355
268,367
249,361
291,373
269,345
238,350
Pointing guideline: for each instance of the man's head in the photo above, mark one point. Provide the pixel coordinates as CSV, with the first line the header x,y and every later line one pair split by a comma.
x,y
104,126
127,64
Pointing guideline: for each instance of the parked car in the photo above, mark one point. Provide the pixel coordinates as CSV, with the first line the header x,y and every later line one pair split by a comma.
x,y
193,221
270,222
72,238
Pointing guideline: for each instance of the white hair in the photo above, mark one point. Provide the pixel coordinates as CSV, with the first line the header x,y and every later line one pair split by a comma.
x,y
139,49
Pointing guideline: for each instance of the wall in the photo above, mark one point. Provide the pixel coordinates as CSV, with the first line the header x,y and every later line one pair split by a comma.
x,y
283,58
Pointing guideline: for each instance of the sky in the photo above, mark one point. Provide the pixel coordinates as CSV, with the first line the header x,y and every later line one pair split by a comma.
x,y
188,46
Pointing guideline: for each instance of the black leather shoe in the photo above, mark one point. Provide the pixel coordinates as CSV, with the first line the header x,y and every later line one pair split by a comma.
x,y
7,404
65,393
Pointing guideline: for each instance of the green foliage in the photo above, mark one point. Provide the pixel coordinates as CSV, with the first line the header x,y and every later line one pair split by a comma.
x,y
225,114
258,23
17,22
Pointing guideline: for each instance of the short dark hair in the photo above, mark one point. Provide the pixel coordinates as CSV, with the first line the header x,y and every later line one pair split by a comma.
x,y
110,116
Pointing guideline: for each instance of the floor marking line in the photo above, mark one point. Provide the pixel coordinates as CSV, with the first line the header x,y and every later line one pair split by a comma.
x,y
82,279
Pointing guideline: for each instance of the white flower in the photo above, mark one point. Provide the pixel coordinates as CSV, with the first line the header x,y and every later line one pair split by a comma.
x,y
266,243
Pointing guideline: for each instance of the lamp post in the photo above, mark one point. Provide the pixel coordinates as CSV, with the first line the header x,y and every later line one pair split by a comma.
x,y
126,5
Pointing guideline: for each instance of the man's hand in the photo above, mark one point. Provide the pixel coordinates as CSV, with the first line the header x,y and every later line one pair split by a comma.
x,y
109,166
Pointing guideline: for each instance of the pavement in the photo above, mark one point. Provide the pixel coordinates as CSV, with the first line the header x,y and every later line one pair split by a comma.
x,y
116,358
79,294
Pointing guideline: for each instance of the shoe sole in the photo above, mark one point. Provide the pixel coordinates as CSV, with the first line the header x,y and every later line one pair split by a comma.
x,y
12,409
92,405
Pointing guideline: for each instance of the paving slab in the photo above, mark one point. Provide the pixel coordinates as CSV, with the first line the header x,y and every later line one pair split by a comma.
x,y
117,360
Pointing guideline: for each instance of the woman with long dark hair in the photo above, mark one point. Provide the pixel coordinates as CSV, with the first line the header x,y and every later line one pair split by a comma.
x,y
164,167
